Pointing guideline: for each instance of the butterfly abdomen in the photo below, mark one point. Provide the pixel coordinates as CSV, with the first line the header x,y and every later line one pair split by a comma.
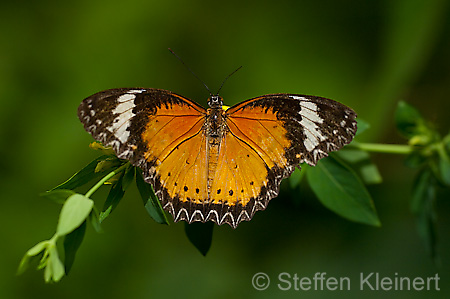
x,y
214,127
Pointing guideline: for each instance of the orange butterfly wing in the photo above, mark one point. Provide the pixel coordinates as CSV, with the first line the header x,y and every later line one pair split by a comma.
x,y
158,131
267,137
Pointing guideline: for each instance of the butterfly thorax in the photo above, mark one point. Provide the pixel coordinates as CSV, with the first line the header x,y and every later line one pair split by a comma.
x,y
215,127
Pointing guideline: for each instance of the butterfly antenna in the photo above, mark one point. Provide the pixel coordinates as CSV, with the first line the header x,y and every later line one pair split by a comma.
x,y
210,93
227,79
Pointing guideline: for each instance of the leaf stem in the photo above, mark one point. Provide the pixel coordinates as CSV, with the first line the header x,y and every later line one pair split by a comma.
x,y
105,178
382,148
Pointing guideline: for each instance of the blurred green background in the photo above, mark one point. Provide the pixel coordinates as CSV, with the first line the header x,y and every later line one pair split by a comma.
x,y
366,54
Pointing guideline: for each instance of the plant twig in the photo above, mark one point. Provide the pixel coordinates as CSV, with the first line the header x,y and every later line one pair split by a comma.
x,y
106,178
382,148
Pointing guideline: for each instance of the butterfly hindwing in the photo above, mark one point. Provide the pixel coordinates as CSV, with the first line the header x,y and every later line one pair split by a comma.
x,y
240,176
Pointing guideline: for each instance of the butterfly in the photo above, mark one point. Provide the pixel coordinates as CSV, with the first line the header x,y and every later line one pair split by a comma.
x,y
219,164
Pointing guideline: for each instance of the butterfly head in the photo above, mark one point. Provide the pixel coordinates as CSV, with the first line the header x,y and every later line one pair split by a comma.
x,y
215,101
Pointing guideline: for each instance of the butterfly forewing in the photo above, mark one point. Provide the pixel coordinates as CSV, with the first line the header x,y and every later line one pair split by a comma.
x,y
313,126
120,117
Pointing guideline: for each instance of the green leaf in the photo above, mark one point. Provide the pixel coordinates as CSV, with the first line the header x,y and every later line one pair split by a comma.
x,y
444,167
36,249
54,269
95,221
114,197
360,161
340,190
73,213
446,143
296,177
128,177
72,242
362,126
48,271
415,160
370,174
106,165
444,164
32,252
408,120
89,173
151,202
422,190
200,235
424,194
44,259
59,195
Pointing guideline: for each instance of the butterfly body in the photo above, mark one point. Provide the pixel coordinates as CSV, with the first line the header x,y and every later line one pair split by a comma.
x,y
218,164
214,130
